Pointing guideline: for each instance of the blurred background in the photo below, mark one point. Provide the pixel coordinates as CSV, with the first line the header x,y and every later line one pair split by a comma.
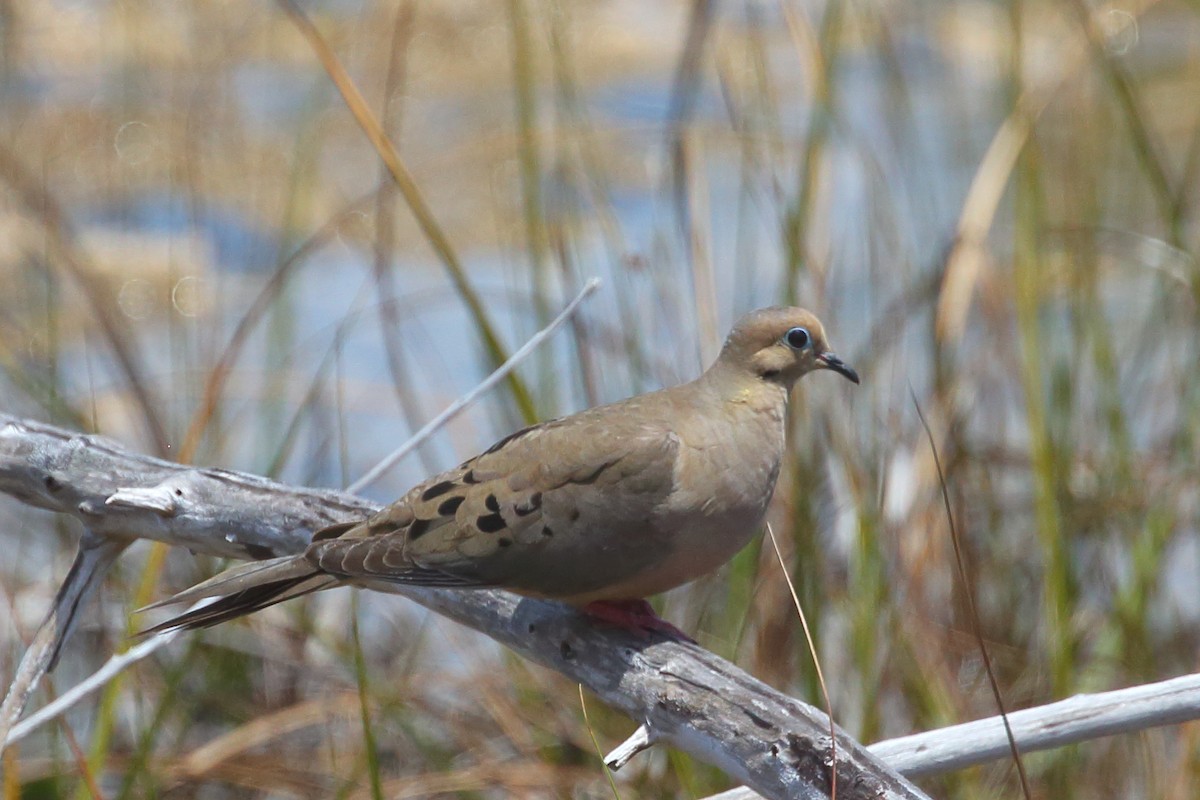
x,y
991,204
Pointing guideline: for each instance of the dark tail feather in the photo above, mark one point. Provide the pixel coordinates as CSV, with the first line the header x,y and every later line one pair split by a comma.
x,y
244,590
238,604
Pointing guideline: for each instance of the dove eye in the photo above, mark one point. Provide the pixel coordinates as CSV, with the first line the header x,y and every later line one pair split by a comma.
x,y
798,338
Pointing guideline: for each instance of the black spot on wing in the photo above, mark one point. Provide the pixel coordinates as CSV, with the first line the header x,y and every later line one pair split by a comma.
x,y
492,504
512,437
547,531
584,480
418,529
491,523
529,506
437,490
449,506
469,477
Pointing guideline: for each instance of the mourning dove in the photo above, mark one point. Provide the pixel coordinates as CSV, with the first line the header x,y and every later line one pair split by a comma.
x,y
599,509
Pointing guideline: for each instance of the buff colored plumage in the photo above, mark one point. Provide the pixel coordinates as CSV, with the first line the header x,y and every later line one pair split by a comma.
x,y
612,504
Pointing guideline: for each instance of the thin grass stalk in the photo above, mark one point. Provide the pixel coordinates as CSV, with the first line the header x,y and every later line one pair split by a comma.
x,y
391,110
305,411
412,194
867,593
140,760
685,88
812,585
110,696
258,309
699,247
585,360
1146,148
40,388
1055,635
576,126
370,746
801,213
1029,269
529,159
754,116
281,325
612,783
61,243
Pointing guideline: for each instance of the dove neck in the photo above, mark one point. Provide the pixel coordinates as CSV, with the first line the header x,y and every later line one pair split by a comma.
x,y
735,383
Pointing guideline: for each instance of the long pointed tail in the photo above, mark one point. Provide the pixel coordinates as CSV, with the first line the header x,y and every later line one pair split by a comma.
x,y
243,590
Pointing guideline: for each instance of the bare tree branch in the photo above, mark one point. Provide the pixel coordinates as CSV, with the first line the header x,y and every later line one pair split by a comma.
x,y
116,664
681,693
1076,719
92,560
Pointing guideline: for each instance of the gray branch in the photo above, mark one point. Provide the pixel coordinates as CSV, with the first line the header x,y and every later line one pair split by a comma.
x,y
682,694
1077,719
92,560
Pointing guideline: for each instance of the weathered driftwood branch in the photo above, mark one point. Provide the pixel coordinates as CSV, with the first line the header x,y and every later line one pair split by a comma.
x,y
681,693
1077,719
94,557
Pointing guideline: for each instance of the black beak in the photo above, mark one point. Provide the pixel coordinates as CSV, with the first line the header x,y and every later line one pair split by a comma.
x,y
831,361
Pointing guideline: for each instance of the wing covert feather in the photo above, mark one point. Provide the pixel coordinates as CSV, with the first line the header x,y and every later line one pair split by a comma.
x,y
538,492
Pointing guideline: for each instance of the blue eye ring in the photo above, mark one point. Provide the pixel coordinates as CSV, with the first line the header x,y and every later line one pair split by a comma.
x,y
798,338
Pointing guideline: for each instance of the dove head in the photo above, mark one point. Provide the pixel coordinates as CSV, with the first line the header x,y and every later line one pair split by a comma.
x,y
780,345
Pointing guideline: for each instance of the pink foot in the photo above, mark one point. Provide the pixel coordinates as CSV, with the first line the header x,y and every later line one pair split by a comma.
x,y
636,616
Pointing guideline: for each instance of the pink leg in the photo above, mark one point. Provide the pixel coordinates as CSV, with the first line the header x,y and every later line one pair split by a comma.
x,y
636,616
